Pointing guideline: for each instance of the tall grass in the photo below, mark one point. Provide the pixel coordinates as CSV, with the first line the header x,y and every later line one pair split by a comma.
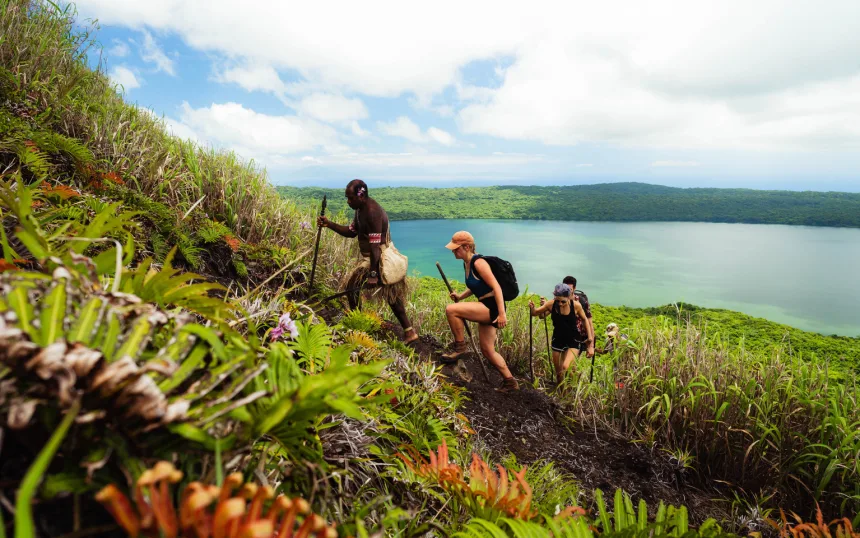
x,y
767,422
44,55
759,421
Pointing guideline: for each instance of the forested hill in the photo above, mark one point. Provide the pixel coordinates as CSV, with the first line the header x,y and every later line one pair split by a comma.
x,y
606,202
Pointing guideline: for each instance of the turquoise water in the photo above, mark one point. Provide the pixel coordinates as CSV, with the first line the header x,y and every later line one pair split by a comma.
x,y
802,276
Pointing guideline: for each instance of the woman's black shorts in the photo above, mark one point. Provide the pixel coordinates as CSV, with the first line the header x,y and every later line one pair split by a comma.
x,y
560,344
490,302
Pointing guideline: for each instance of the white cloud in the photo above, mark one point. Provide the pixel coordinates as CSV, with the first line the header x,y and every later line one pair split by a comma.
x,y
584,165
332,108
422,159
254,135
119,50
253,78
151,52
358,131
659,164
443,137
729,74
179,129
402,127
125,77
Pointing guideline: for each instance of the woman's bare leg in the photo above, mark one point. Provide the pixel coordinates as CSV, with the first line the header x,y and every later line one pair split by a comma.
x,y
556,365
487,336
471,311
570,361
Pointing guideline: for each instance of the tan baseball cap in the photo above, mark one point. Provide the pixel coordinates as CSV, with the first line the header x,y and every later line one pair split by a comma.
x,y
460,238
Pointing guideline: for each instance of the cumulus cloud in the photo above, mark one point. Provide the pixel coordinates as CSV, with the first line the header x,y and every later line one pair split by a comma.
x,y
252,134
730,74
404,127
442,137
179,129
358,131
125,77
332,108
152,53
253,78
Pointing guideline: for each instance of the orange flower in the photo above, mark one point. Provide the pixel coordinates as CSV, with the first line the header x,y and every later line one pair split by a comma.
x,y
502,491
63,191
207,511
113,177
232,242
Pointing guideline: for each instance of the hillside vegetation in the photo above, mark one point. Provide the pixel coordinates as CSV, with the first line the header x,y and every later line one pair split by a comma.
x,y
619,202
165,371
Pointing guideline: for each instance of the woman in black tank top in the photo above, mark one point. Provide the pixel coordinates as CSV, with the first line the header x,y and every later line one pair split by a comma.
x,y
567,341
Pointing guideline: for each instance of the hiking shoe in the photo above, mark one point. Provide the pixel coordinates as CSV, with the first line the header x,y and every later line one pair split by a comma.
x,y
509,385
454,352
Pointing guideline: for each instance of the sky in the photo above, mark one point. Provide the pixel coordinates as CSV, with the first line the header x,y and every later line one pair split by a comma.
x,y
761,94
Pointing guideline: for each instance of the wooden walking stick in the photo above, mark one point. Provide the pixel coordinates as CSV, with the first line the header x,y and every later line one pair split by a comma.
x,y
548,346
531,351
591,377
317,248
465,325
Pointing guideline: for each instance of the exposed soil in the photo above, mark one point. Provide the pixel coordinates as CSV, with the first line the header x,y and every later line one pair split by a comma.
x,y
529,424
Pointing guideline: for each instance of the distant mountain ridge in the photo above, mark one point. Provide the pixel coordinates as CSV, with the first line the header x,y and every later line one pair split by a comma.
x,y
620,202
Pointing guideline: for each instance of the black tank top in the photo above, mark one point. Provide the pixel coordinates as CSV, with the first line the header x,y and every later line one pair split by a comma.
x,y
564,325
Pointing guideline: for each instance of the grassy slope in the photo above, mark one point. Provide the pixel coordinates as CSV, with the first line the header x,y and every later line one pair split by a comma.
x,y
162,170
757,334
621,202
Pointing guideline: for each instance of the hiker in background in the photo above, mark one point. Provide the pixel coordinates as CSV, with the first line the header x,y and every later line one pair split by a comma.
x,y
582,299
488,312
613,339
370,226
567,338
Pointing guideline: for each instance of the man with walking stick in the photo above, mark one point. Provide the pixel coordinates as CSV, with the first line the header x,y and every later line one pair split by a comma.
x,y
370,226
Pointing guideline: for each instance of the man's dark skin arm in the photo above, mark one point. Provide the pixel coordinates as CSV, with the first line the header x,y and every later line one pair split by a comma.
x,y
338,228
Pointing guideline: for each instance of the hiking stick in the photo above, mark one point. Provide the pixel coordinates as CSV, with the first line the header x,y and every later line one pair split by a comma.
x,y
548,347
342,293
317,247
591,377
465,325
531,352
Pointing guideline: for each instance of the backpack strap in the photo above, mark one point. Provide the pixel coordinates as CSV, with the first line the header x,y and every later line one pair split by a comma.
x,y
472,272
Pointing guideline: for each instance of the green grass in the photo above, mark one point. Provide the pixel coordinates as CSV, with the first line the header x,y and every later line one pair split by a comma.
x,y
766,408
62,122
734,328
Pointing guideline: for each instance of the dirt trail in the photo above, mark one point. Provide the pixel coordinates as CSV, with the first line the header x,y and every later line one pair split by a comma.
x,y
529,424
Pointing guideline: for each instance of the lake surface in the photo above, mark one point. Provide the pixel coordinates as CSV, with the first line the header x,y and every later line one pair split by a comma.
x,y
806,277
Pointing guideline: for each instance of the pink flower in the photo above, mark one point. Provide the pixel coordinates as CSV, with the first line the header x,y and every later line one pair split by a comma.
x,y
285,324
305,226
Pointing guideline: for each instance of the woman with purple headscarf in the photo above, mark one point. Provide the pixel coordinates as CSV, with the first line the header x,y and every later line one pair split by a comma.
x,y
567,339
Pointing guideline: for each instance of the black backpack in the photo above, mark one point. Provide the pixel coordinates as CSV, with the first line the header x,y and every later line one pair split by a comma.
x,y
504,273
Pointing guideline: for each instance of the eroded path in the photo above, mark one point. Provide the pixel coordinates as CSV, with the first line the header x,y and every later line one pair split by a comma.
x,y
531,425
